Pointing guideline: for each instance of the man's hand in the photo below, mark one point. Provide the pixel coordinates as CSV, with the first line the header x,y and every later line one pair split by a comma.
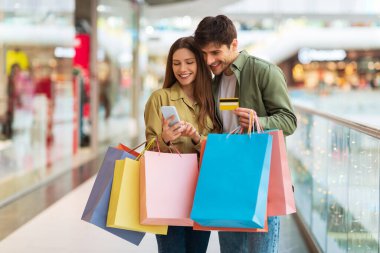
x,y
244,116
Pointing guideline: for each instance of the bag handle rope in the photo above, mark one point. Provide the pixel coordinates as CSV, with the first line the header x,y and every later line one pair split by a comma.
x,y
253,121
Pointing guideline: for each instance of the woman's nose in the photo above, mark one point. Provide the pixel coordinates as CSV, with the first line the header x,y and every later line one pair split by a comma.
x,y
182,67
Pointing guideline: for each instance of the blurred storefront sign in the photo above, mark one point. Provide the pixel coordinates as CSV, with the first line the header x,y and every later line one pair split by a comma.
x,y
326,71
307,55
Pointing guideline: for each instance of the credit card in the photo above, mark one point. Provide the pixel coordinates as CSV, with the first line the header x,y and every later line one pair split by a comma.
x,y
228,104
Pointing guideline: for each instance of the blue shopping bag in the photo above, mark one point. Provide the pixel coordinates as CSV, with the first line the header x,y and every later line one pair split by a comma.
x,y
232,187
96,209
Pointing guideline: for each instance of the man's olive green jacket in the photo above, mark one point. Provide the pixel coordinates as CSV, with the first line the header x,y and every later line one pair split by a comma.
x,y
261,86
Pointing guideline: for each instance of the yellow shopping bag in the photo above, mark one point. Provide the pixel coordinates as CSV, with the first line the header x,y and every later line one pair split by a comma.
x,y
124,207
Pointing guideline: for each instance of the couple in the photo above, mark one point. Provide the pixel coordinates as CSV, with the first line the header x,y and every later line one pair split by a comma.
x,y
188,85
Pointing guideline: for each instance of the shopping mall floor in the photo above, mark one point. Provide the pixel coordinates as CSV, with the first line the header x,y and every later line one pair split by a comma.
x,y
48,220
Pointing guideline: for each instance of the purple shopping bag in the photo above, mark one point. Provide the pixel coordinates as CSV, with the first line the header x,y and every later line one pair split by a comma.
x,y
96,208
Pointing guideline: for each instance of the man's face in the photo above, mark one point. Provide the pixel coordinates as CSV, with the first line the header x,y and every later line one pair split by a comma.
x,y
219,57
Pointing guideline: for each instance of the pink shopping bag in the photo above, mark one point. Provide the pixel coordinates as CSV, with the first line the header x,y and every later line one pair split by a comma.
x,y
167,186
280,191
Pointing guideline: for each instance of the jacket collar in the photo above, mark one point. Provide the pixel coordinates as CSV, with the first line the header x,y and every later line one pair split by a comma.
x,y
176,92
240,61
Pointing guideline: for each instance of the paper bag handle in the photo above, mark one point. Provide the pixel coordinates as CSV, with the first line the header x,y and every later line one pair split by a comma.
x,y
148,145
253,120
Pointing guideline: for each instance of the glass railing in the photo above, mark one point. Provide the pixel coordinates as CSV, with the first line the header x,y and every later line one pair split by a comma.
x,y
335,169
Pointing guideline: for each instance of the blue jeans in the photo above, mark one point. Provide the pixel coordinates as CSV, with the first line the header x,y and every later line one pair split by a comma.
x,y
183,240
245,242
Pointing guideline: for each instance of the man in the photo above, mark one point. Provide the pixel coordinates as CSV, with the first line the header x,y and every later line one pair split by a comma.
x,y
261,87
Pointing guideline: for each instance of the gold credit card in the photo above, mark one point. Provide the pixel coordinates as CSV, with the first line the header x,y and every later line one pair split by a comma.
x,y
228,104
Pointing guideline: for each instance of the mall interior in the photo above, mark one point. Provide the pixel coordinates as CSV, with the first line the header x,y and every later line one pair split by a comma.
x,y
75,76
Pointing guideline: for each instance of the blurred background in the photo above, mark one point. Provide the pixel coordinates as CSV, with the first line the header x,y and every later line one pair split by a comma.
x,y
75,76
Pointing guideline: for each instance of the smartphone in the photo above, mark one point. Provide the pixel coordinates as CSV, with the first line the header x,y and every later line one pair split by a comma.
x,y
168,111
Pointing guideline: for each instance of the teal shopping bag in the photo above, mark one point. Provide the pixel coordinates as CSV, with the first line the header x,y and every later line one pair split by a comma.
x,y
232,187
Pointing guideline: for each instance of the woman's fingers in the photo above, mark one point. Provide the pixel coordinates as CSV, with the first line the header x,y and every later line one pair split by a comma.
x,y
167,121
188,129
176,136
170,133
193,131
176,127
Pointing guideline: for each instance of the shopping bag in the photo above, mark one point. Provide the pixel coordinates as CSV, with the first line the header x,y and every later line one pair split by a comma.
x,y
232,186
124,207
167,188
197,226
128,150
280,192
96,208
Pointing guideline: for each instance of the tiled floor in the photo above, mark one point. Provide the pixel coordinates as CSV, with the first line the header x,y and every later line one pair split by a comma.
x,y
58,228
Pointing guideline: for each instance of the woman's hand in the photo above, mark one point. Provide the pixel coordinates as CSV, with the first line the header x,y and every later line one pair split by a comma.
x,y
243,114
190,131
171,133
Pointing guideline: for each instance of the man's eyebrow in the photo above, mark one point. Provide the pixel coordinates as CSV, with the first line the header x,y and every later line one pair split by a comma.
x,y
212,51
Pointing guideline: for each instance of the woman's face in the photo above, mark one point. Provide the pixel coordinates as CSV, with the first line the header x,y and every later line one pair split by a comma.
x,y
184,66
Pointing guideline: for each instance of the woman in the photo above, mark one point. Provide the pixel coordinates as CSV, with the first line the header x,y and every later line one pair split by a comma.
x,y
187,86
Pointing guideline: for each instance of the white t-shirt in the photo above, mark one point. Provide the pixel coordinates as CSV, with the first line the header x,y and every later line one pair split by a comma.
x,y
227,90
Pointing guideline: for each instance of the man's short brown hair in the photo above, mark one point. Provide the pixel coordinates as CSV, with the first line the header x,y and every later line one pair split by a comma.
x,y
219,30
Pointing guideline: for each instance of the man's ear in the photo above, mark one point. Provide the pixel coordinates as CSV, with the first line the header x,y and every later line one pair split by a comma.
x,y
234,45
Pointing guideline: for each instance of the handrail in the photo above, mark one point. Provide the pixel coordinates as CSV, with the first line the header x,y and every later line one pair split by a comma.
x,y
371,131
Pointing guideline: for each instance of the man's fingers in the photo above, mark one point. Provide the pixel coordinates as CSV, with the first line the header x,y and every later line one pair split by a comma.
x,y
242,114
242,120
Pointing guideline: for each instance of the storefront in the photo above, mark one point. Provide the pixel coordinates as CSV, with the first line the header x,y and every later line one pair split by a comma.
x,y
64,90
326,70
36,88
117,32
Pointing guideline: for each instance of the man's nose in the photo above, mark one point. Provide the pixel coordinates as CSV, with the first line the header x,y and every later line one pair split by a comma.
x,y
209,59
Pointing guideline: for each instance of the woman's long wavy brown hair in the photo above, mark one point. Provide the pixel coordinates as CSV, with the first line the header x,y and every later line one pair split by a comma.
x,y
202,83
